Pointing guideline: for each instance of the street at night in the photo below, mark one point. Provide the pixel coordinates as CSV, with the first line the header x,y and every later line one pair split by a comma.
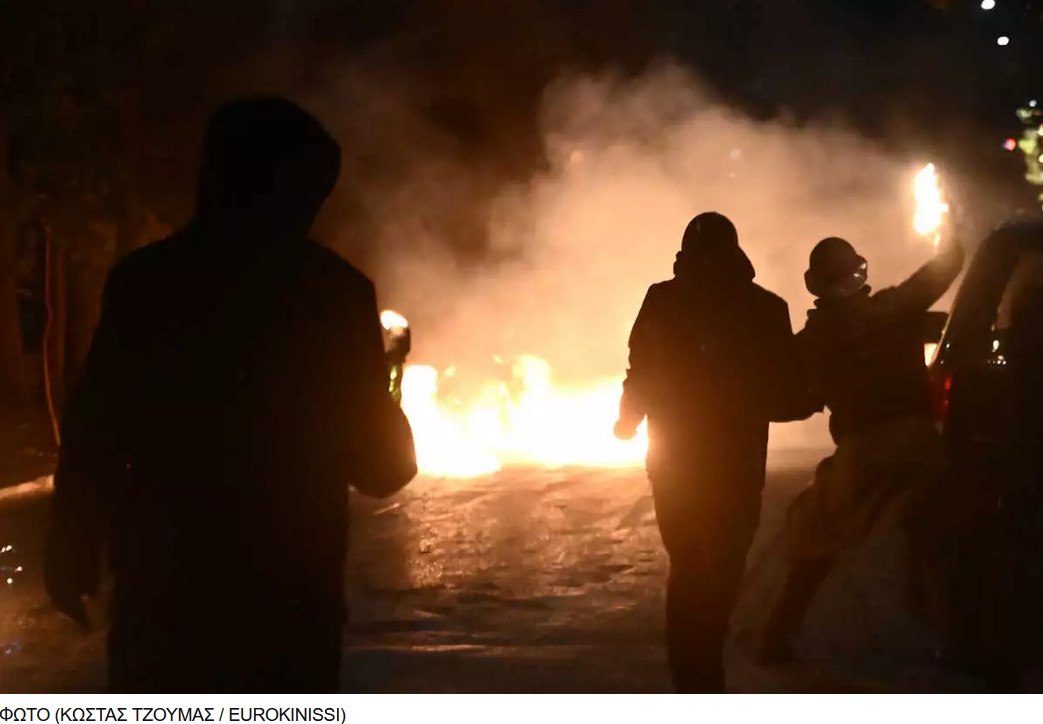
x,y
531,581
520,346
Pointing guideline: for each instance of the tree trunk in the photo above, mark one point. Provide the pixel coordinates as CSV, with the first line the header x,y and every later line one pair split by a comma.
x,y
84,275
13,394
54,337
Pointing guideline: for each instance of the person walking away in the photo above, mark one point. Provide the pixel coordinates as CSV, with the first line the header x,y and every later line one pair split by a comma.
x,y
236,384
711,362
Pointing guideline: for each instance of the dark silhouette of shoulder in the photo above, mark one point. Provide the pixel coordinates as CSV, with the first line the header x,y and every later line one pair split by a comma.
x,y
770,302
149,269
754,298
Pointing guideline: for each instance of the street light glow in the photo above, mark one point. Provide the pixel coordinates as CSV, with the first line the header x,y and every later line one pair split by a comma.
x,y
988,4
1003,40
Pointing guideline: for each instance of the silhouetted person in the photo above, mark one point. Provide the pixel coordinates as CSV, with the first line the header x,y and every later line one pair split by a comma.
x,y
236,385
711,362
865,354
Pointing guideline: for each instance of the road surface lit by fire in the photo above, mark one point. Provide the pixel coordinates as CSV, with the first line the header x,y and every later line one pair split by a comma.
x,y
526,580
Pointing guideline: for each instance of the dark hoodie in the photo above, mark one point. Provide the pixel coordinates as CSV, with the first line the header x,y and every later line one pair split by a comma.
x,y
235,386
866,351
711,363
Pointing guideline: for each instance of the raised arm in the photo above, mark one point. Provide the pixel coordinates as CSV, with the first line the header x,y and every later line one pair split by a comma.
x,y
925,287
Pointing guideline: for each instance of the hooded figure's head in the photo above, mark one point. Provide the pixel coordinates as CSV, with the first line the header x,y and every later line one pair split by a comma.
x,y
710,251
835,269
267,164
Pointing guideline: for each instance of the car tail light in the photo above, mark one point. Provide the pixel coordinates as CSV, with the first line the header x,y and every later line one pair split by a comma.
x,y
941,391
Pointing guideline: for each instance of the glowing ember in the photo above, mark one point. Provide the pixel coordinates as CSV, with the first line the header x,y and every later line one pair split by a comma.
x,y
931,207
528,420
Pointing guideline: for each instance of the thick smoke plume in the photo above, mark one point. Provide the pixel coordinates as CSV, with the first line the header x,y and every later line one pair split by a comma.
x,y
572,249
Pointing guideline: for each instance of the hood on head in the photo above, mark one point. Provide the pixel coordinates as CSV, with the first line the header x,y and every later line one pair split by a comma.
x,y
710,252
732,266
266,163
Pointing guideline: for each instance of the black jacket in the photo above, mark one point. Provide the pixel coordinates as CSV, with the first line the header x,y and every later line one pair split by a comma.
x,y
865,352
231,394
711,363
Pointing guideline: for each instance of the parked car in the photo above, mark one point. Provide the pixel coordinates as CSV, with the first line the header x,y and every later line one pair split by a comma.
x,y
987,380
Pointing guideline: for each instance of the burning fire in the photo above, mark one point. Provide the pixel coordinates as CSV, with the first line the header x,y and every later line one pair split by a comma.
x,y
931,207
527,420
524,418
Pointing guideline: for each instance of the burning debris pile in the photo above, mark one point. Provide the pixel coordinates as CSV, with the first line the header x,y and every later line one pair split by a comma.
x,y
520,417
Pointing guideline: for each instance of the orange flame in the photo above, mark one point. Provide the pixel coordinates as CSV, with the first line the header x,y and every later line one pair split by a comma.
x,y
931,206
532,421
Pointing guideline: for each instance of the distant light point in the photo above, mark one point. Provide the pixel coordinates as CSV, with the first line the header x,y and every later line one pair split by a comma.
x,y
1002,40
1033,104
988,4
1010,144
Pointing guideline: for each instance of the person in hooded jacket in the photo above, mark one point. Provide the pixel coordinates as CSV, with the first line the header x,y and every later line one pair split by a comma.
x,y
711,363
235,386
865,357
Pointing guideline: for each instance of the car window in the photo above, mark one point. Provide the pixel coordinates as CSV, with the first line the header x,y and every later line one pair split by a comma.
x,y
971,333
1019,316
1021,290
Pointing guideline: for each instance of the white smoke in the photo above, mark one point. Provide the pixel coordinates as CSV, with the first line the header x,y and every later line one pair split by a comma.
x,y
631,160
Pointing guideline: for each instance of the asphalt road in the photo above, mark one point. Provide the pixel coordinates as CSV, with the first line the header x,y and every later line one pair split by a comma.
x,y
529,580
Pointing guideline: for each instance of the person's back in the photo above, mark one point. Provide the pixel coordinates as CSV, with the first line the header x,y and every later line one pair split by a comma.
x,y
712,361
710,390
867,359
235,387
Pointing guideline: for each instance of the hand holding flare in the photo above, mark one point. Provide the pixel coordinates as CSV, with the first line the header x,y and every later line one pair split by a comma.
x,y
397,344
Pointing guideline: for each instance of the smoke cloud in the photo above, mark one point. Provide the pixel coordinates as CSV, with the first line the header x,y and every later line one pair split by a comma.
x,y
571,250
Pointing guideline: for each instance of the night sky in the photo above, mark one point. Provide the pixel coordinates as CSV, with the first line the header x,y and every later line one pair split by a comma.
x,y
924,78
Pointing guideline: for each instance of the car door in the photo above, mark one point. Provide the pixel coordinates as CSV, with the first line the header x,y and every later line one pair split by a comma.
x,y
984,361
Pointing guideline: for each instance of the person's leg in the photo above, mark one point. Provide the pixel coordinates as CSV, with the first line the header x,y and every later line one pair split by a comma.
x,y
802,582
686,643
810,543
312,665
295,656
707,544
135,661
694,637
148,658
